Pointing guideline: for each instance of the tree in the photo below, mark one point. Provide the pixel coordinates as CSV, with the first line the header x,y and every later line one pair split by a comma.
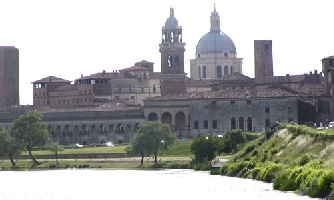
x,y
55,148
9,146
231,140
28,129
150,138
204,147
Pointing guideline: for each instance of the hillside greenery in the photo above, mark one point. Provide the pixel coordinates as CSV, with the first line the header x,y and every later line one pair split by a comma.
x,y
296,158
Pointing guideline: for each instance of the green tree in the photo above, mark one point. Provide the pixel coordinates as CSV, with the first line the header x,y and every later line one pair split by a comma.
x,y
204,147
150,138
231,140
55,148
31,131
9,146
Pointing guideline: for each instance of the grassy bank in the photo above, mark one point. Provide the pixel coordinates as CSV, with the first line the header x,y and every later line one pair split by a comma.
x,y
296,158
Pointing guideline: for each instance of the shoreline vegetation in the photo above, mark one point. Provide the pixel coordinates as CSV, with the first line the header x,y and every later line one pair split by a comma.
x,y
294,158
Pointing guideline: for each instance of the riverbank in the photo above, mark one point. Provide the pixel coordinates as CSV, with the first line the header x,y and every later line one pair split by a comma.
x,y
296,158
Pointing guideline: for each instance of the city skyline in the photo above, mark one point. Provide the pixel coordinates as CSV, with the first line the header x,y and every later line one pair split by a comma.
x,y
67,39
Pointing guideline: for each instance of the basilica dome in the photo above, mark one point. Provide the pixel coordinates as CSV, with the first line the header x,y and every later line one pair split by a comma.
x,y
215,42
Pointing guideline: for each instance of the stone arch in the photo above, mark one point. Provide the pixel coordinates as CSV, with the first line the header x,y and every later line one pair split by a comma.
x,y
67,129
76,129
152,116
219,71
166,118
128,128
84,129
136,127
241,124
120,128
102,129
111,128
92,128
233,123
249,124
180,121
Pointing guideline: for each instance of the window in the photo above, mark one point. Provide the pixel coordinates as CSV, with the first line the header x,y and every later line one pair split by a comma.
x,y
199,72
290,110
267,110
232,102
204,72
195,124
231,70
214,124
225,54
154,90
198,55
219,71
206,124
225,70
213,102
249,102
177,61
169,61
132,97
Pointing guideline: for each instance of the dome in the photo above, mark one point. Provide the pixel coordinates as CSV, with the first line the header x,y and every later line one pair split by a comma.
x,y
171,22
215,42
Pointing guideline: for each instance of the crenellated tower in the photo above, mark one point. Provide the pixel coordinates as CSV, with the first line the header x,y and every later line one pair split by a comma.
x,y
172,58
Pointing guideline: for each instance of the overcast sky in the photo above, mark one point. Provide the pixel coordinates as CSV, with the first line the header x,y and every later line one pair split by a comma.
x,y
67,38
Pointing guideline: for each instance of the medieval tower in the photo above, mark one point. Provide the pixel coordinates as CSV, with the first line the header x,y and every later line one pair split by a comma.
x,y
9,76
263,59
172,58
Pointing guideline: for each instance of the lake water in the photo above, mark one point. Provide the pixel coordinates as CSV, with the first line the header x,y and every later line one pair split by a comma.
x,y
73,184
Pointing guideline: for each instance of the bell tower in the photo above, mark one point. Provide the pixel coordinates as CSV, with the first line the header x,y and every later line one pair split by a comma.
x,y
172,50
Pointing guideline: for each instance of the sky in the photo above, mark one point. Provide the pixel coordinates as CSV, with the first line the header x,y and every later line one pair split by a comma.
x,y
70,38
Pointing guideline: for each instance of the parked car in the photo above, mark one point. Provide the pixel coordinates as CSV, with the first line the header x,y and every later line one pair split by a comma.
x,y
76,145
331,125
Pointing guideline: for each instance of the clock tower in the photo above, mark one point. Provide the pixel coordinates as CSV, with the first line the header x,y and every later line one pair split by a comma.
x,y
172,58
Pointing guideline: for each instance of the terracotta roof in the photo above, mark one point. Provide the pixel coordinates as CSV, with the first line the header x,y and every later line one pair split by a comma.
x,y
52,79
134,68
296,78
229,94
235,76
190,82
67,87
312,89
117,105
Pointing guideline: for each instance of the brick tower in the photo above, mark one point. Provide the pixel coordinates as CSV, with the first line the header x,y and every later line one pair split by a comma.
x,y
9,76
263,58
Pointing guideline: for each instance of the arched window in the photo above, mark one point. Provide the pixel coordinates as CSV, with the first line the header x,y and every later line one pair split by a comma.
x,y
225,70
233,123
231,70
199,72
219,71
249,124
241,124
204,71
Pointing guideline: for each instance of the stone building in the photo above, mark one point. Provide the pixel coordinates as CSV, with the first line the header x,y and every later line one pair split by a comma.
x,y
9,76
216,54
219,111
56,92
